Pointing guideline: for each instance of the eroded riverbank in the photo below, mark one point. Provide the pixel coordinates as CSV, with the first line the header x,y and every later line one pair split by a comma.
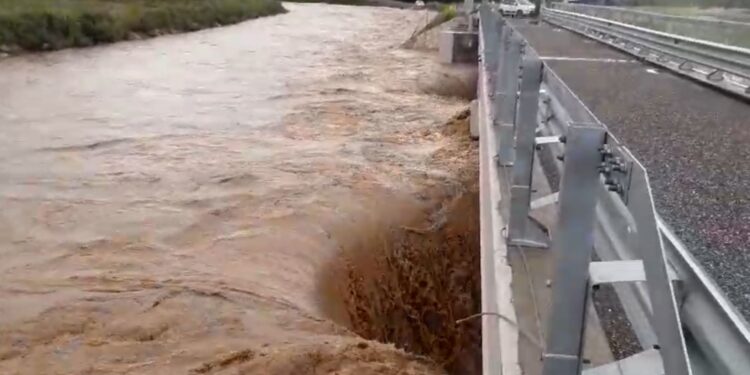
x,y
182,204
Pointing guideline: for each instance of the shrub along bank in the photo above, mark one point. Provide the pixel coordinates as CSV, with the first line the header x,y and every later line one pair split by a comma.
x,y
36,25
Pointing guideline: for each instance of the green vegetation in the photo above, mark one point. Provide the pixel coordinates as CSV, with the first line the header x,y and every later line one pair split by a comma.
x,y
54,24
673,11
676,5
731,14
691,3
338,2
448,11
730,34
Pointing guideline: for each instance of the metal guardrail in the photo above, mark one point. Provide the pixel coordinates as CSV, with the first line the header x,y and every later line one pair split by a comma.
x,y
719,65
704,28
531,108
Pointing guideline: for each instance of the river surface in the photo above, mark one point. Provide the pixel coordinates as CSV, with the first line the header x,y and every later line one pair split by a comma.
x,y
169,205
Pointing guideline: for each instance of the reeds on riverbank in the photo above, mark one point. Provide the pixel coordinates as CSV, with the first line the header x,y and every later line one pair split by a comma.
x,y
37,25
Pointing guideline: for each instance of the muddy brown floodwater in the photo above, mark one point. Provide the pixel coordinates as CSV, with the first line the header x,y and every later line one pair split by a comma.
x,y
261,198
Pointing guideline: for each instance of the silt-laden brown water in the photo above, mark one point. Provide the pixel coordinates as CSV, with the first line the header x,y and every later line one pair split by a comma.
x,y
172,205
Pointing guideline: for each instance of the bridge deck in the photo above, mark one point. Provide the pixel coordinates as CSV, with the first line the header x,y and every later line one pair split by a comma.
x,y
695,142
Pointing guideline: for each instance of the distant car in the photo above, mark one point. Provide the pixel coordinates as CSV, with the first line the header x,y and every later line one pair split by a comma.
x,y
516,8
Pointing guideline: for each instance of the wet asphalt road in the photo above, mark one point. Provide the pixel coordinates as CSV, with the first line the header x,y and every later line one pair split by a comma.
x,y
694,141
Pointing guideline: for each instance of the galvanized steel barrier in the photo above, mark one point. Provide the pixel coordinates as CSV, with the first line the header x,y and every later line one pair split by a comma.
x,y
605,205
723,66
724,31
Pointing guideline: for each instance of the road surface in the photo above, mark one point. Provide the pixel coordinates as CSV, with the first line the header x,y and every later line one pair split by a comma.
x,y
693,140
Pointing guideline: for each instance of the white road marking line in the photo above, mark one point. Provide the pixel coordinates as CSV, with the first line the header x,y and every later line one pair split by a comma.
x,y
585,59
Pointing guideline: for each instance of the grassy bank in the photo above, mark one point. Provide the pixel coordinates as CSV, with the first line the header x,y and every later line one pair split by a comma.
x,y
36,25
337,2
730,14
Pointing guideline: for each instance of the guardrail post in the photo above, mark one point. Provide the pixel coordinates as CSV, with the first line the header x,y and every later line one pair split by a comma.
x,y
507,95
521,229
573,245
500,48
468,9
501,32
629,238
665,314
489,26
